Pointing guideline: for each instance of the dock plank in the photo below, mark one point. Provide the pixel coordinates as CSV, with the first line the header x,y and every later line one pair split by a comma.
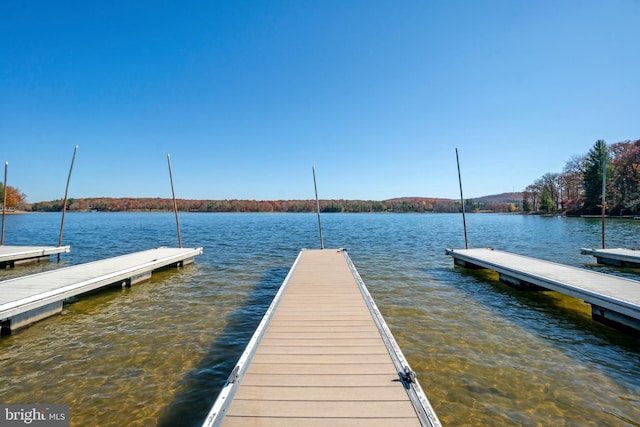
x,y
318,422
327,393
326,409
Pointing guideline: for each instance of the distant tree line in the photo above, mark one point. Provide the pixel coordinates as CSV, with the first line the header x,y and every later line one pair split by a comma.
x,y
162,205
578,189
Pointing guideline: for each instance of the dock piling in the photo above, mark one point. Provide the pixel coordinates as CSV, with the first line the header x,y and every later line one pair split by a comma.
x,y
175,204
313,168
464,220
4,200
64,202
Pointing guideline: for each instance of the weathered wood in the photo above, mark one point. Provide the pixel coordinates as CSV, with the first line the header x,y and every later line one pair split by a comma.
x,y
321,357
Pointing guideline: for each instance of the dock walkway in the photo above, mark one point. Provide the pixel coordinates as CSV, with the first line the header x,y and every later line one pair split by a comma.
x,y
10,256
27,299
322,356
613,299
618,257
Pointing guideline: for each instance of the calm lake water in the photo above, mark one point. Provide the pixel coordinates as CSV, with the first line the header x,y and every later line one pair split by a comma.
x,y
485,354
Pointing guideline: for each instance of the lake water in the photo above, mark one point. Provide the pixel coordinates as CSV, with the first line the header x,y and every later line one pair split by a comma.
x,y
485,354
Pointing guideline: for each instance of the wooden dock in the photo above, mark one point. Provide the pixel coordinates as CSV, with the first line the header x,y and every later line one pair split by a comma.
x,y
614,300
10,256
27,299
617,257
322,356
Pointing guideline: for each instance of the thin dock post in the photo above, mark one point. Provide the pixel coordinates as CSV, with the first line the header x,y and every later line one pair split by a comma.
x,y
604,192
64,202
464,220
313,168
4,200
175,204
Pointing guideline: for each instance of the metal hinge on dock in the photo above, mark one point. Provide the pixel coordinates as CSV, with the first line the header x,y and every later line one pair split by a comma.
x,y
408,375
234,375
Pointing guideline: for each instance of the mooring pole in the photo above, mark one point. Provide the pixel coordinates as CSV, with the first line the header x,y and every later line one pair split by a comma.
x,y
313,168
464,220
175,204
4,200
64,202
604,191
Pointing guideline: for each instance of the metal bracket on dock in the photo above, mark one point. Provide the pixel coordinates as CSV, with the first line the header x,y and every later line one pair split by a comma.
x,y
408,375
233,377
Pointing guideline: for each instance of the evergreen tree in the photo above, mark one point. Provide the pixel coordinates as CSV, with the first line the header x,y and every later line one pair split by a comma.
x,y
546,200
593,169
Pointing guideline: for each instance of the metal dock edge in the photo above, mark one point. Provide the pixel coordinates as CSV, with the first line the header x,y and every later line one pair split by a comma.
x,y
322,355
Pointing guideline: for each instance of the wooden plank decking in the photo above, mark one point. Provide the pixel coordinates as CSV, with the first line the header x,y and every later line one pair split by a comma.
x,y
613,299
617,257
322,356
27,299
10,256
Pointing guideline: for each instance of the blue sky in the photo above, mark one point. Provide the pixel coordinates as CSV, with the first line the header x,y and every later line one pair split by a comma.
x,y
247,96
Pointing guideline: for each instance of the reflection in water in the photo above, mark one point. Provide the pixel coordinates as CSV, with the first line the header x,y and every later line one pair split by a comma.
x,y
485,354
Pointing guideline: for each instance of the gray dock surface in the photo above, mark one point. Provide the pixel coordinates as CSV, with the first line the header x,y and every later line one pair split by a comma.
x,y
619,257
322,356
612,298
24,300
14,255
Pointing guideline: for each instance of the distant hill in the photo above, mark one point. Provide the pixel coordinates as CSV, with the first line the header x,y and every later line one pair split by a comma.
x,y
416,199
492,199
500,198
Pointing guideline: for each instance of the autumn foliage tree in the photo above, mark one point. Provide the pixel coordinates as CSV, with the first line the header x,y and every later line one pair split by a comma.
x,y
14,196
626,179
578,189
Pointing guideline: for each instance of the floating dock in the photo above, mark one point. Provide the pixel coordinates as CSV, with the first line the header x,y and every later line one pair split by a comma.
x,y
10,256
322,356
617,257
27,299
614,300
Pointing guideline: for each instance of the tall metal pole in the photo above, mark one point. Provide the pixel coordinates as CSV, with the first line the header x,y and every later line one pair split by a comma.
x,y
313,168
64,202
175,204
604,191
464,220
4,201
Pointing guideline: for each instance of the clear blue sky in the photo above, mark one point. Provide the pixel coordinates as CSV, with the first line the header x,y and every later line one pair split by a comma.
x,y
247,95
